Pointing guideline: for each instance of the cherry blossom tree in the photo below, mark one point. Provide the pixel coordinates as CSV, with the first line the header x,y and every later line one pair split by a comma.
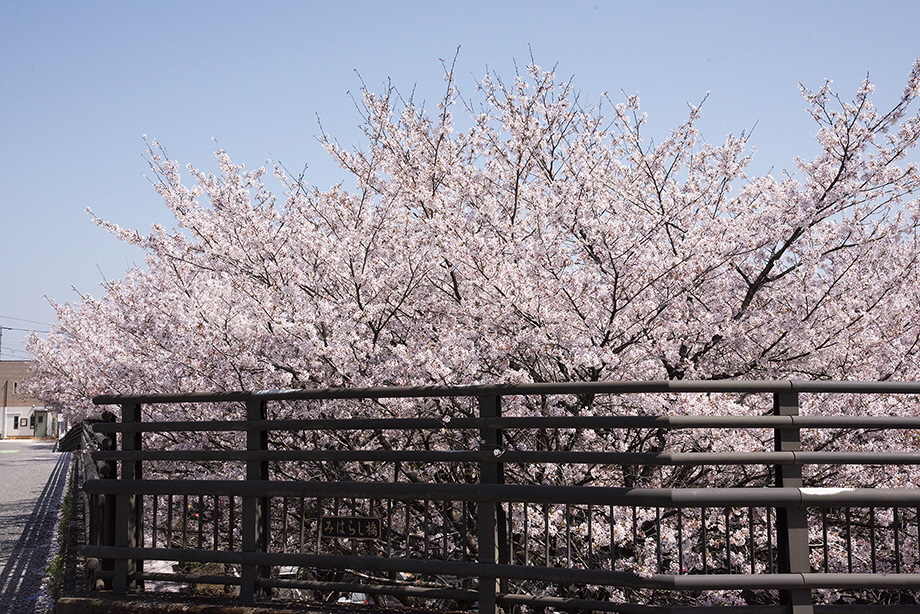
x,y
535,239
546,242
543,242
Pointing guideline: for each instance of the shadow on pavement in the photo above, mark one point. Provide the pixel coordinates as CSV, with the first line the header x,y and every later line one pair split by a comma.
x,y
21,578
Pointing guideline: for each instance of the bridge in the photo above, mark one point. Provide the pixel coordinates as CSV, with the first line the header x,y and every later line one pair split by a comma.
x,y
455,497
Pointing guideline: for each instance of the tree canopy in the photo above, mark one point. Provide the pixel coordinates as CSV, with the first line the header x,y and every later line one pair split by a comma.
x,y
535,239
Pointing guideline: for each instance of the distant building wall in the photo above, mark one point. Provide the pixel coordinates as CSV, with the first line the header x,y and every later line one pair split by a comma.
x,y
22,415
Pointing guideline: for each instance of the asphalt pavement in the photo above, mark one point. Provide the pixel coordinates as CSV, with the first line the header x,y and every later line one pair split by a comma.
x,y
32,479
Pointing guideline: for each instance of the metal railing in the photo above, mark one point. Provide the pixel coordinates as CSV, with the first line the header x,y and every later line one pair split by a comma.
x,y
450,526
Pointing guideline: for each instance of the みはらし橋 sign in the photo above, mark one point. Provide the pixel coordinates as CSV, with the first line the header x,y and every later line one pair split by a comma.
x,y
350,527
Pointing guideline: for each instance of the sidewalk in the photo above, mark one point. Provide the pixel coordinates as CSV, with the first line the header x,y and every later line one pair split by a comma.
x,y
32,480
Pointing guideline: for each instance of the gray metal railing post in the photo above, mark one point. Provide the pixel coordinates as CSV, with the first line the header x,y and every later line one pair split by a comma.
x,y
129,508
490,516
256,517
791,523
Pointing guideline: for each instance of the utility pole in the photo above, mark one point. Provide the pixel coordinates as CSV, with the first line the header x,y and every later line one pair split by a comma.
x,y
6,385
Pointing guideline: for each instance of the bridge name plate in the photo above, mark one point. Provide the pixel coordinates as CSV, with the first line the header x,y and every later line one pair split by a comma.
x,y
351,527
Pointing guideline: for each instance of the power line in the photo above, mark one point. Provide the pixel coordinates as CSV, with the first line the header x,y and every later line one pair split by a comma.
x,y
25,330
21,320
3,328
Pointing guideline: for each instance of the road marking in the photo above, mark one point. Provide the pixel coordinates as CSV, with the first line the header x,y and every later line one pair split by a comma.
x,y
8,451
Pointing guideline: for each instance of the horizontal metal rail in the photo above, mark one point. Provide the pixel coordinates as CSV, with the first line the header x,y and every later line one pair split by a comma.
x,y
551,388
517,456
768,581
496,493
575,422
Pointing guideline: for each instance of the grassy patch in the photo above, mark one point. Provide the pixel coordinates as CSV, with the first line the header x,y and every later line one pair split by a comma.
x,y
56,568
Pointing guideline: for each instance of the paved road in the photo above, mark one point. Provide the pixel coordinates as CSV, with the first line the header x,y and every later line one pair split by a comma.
x,y
32,480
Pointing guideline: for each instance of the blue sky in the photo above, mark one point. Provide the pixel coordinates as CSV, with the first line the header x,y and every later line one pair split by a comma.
x,y
81,82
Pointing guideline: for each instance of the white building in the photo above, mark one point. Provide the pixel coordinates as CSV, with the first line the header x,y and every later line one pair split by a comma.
x,y
23,416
